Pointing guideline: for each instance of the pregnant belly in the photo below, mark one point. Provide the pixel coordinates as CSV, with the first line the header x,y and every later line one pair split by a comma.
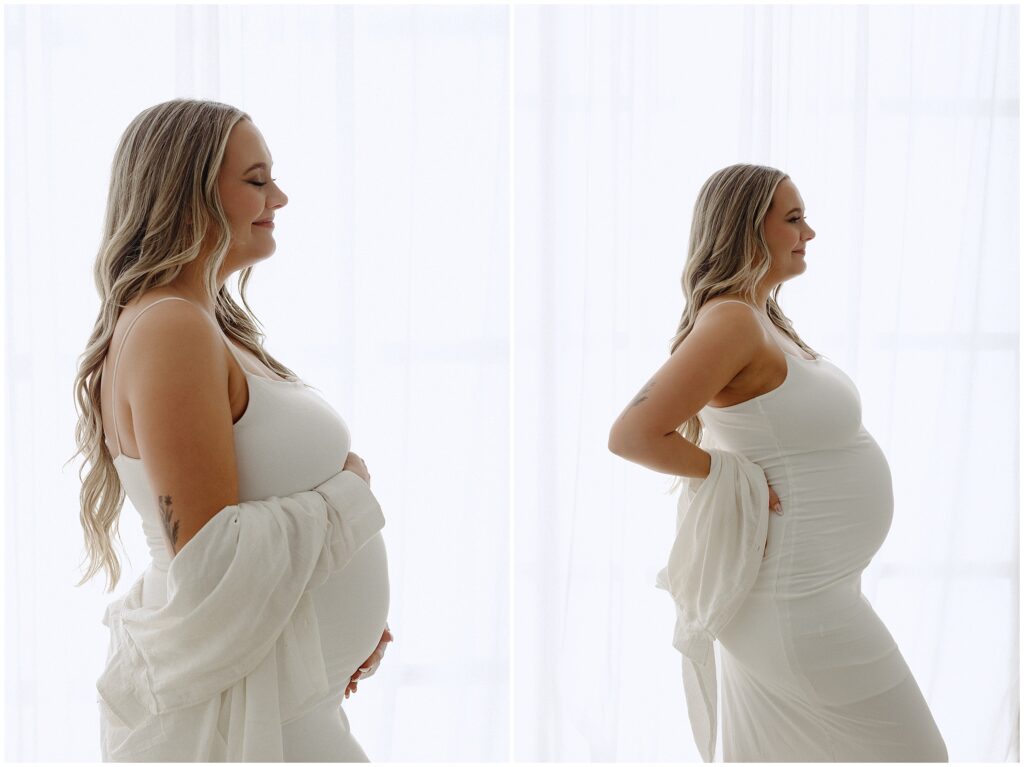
x,y
352,609
837,513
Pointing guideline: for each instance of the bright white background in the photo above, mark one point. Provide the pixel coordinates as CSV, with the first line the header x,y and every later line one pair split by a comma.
x,y
899,126
388,291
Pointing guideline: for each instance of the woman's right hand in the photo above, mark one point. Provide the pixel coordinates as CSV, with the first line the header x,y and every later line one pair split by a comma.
x,y
356,465
773,505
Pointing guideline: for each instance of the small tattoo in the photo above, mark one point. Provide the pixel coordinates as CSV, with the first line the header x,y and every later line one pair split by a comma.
x,y
165,512
642,394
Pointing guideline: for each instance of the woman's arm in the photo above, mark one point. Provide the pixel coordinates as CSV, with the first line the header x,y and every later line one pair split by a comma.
x,y
720,345
177,388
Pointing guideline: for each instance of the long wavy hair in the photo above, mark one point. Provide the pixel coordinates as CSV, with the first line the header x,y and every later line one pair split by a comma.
x,y
162,204
728,253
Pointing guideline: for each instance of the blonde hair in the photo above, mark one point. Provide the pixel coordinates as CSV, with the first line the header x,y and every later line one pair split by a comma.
x,y
162,204
728,253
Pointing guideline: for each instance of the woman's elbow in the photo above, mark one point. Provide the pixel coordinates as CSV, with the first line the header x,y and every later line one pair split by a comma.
x,y
622,442
614,443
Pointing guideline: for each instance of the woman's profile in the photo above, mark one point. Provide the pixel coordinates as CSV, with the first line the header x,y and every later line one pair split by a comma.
x,y
809,671
184,411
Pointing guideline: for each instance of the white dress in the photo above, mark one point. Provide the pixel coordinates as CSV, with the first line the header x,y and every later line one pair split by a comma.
x,y
809,672
288,440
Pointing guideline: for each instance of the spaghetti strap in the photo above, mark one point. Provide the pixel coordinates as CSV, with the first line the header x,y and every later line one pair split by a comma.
x,y
707,308
113,383
734,301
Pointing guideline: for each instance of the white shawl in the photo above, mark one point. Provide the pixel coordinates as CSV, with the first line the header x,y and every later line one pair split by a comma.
x,y
235,652
721,530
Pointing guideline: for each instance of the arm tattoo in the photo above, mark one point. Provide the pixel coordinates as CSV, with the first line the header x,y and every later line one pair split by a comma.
x,y
165,512
642,394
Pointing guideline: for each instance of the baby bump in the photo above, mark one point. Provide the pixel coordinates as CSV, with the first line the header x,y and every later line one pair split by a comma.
x,y
352,609
838,510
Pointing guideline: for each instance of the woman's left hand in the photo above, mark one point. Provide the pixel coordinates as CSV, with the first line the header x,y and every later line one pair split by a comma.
x,y
369,666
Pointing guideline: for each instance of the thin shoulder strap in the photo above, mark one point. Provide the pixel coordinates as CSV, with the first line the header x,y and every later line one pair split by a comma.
x,y
760,317
734,301
113,383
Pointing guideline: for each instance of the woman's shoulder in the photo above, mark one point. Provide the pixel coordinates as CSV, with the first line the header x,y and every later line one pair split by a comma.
x,y
733,300
142,301
142,325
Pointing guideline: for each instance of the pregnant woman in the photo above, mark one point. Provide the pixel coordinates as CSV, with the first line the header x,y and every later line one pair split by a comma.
x,y
182,407
809,671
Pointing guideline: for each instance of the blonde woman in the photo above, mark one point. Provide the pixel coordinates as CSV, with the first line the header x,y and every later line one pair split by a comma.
x,y
181,406
809,671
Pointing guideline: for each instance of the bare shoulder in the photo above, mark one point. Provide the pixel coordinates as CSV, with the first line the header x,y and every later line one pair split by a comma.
x,y
723,342
168,338
727,306
723,324
178,393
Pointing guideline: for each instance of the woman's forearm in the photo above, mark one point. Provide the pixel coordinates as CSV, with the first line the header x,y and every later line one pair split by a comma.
x,y
671,454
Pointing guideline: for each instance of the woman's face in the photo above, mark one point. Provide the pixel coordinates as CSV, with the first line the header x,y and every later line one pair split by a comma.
x,y
787,232
248,195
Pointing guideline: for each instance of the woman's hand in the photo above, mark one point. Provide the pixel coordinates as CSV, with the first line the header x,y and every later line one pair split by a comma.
x,y
773,505
355,464
370,664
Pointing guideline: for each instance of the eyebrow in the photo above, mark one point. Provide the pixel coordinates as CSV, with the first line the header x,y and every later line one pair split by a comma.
x,y
257,165
793,211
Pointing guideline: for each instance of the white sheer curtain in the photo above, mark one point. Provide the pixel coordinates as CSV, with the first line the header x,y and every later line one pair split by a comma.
x,y
388,291
899,125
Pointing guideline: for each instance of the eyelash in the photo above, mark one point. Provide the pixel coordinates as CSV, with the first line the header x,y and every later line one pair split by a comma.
x,y
261,183
794,220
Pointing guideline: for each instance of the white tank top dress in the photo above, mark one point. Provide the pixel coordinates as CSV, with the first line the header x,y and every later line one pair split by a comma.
x,y
809,671
289,440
